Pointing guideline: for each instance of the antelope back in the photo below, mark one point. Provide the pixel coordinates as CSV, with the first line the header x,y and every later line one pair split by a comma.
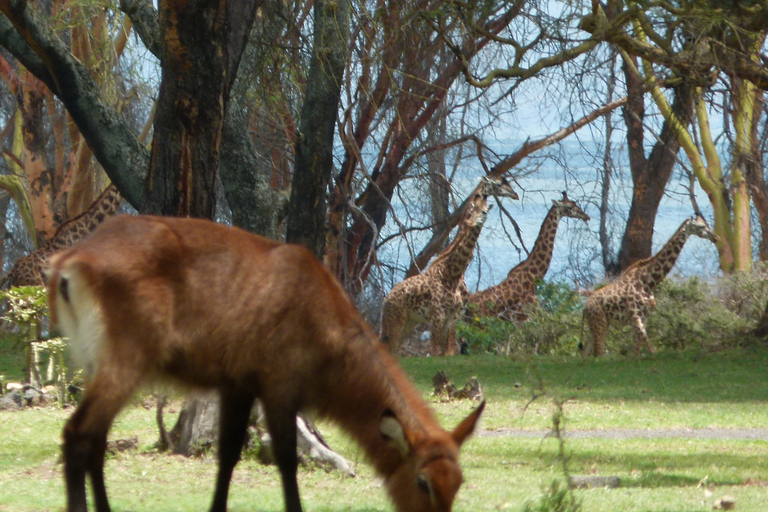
x,y
195,300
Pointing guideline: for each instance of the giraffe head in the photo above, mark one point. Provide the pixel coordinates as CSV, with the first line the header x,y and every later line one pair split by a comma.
x,y
568,208
497,187
696,225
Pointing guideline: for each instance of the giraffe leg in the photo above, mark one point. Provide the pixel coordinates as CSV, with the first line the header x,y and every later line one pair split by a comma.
x,y
451,345
598,327
588,347
439,331
393,325
641,336
600,342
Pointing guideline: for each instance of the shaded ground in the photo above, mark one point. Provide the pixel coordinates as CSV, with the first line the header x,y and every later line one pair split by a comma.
x,y
751,434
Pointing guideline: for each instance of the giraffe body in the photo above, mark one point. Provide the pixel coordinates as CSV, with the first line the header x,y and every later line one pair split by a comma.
x,y
434,296
511,298
629,300
28,270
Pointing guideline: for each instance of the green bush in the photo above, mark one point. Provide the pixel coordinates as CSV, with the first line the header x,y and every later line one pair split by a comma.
x,y
689,314
26,311
552,328
485,335
745,293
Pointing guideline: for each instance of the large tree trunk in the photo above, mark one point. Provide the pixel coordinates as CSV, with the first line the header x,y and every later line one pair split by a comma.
x,y
245,173
649,174
199,62
314,147
36,167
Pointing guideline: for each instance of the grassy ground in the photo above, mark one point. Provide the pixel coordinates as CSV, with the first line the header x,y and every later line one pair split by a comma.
x,y
726,389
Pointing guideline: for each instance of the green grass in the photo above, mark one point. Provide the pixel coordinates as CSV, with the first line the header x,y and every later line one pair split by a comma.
x,y
727,389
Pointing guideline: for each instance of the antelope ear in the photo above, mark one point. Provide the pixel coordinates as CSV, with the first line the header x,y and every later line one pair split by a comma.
x,y
392,430
467,426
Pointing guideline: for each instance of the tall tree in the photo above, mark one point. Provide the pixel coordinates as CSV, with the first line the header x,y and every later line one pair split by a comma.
x,y
712,40
50,157
651,172
314,144
190,154
202,45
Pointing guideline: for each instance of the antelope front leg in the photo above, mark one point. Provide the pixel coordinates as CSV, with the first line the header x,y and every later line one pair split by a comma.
x,y
281,424
85,435
233,427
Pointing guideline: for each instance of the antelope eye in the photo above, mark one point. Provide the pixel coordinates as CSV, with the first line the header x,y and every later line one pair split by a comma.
x,y
423,483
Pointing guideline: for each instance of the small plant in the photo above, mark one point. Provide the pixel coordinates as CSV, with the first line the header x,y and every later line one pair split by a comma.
x,y
26,310
559,497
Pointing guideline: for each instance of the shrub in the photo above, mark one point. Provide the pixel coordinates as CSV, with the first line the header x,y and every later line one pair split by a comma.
x,y
745,293
558,498
482,335
26,310
552,328
690,314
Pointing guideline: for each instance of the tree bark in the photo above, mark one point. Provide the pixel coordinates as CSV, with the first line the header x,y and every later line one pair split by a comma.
x,y
650,174
317,126
199,61
245,176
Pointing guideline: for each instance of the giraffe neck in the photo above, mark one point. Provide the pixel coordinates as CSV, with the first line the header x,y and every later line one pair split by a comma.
x,y
451,264
658,266
540,257
78,227
28,270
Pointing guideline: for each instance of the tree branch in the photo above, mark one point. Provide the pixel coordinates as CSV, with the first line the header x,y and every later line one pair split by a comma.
x,y
33,42
529,146
145,22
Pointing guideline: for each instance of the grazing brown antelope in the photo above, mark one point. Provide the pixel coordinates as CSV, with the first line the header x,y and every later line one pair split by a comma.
x,y
217,307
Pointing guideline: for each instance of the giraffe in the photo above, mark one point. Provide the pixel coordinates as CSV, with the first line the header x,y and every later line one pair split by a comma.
x,y
629,299
510,297
433,296
28,270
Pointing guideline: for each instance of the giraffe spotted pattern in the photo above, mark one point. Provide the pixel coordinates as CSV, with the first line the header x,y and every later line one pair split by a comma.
x,y
433,297
28,270
629,300
512,297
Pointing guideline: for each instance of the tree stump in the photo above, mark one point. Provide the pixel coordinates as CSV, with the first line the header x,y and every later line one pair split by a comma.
x,y
197,426
444,387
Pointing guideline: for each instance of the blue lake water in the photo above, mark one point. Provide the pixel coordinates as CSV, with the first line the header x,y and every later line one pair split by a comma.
x,y
576,257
